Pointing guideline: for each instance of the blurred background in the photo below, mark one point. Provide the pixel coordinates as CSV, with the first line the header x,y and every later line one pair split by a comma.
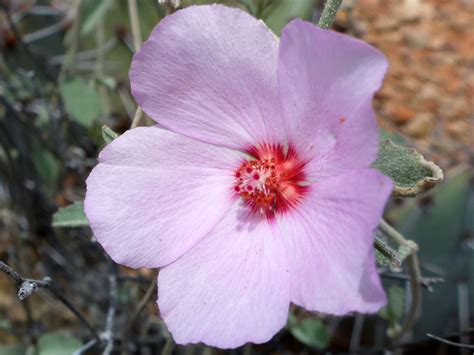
x,y
64,74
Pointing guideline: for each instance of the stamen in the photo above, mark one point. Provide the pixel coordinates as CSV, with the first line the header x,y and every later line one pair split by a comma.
x,y
272,182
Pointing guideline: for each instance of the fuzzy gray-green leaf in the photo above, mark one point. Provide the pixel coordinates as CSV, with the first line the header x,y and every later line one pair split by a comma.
x,y
385,255
411,173
71,216
108,134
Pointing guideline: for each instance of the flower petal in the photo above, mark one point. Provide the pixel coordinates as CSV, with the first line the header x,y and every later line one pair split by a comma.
x,y
326,82
329,243
155,193
209,72
231,288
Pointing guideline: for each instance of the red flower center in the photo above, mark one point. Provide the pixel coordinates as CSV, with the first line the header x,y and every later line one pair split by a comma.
x,y
273,182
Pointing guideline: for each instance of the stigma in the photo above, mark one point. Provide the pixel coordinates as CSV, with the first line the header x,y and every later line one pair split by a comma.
x,y
272,181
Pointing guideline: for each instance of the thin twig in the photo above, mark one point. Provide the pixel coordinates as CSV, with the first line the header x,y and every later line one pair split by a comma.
x,y
463,311
37,10
12,273
99,69
414,274
137,42
126,100
87,346
329,13
396,236
426,282
415,286
87,54
109,324
356,332
27,287
449,342
169,346
137,118
47,31
74,45
144,301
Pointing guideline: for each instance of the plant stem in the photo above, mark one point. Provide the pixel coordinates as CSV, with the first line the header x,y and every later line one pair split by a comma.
x,y
135,22
71,52
415,286
395,235
86,347
109,325
329,13
99,67
144,301
137,118
141,306
414,274
137,42
169,346
11,273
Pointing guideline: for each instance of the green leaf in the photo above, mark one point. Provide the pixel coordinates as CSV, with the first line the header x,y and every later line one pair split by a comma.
x,y
57,344
393,311
251,6
108,134
47,166
12,350
309,331
285,11
71,216
411,173
81,100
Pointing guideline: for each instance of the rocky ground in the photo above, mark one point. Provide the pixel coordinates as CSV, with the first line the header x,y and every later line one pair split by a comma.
x,y
428,94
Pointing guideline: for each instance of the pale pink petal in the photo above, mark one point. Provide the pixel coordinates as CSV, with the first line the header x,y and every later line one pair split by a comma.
x,y
231,288
155,193
326,81
209,72
329,242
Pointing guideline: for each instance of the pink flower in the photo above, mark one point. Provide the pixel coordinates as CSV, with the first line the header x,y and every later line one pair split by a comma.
x,y
255,189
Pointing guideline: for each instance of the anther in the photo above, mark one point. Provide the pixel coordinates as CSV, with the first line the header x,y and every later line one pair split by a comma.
x,y
272,184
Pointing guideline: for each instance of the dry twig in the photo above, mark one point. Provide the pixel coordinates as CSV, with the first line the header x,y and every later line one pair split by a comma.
x,y
26,287
449,342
